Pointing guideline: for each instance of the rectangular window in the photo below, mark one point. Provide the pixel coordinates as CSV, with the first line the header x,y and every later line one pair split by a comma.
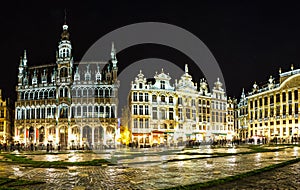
x,y
135,110
283,97
162,85
296,108
146,123
154,113
134,96
180,114
296,95
193,102
141,123
146,97
146,110
135,123
162,114
266,101
179,100
278,110
283,109
277,98
194,114
260,101
140,97
271,99
188,113
1,126
141,110
290,95
171,114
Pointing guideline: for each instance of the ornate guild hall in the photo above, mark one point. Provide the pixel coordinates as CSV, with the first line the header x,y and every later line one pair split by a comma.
x,y
66,103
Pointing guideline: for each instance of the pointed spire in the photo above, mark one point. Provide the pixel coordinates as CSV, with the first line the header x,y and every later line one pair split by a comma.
x,y
113,55
186,68
65,16
65,34
25,59
25,55
21,61
243,94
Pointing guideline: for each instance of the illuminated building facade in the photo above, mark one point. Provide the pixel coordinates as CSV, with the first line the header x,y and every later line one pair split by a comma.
x,y
161,113
6,116
241,117
273,109
67,103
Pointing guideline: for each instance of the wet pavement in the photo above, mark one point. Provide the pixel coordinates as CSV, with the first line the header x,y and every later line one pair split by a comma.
x,y
153,168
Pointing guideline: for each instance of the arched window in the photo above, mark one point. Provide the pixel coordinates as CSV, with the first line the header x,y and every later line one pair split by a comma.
x,y
61,92
79,111
171,99
84,92
66,91
90,111
84,111
63,72
96,109
41,94
36,95
163,98
154,98
101,111
106,93
107,111
101,92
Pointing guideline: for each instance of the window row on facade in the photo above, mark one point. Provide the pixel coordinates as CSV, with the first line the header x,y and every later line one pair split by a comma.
x,y
277,110
63,112
282,97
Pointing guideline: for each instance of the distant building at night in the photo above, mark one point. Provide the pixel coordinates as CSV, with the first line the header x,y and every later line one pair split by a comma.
x,y
241,117
272,109
67,103
6,119
162,113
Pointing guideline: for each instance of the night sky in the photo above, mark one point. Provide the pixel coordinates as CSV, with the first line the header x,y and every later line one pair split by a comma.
x,y
249,39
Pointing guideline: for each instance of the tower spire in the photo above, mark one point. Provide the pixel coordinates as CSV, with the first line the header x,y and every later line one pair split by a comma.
x,y
113,55
65,16
25,59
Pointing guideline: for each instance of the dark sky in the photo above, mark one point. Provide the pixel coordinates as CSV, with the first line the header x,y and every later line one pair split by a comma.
x,y
249,39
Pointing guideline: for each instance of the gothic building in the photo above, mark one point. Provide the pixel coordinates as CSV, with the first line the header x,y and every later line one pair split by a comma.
x,y
162,113
67,103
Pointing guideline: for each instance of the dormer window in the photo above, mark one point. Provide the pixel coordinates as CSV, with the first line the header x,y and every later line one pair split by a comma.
x,y
162,84
140,85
